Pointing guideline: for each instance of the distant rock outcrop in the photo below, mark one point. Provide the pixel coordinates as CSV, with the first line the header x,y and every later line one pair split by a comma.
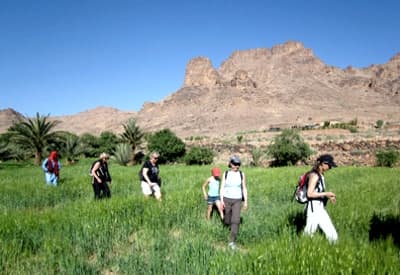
x,y
7,118
257,89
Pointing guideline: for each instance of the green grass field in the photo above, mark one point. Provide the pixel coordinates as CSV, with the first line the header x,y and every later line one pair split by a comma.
x,y
62,230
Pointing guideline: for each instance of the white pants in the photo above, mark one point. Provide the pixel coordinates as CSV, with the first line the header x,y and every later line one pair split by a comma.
x,y
318,217
147,190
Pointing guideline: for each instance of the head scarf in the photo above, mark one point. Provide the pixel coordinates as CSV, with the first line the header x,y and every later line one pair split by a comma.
x,y
53,163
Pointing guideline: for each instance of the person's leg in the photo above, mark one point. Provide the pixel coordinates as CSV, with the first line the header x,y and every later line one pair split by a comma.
x,y
146,189
235,219
53,179
312,219
326,225
220,210
209,210
157,192
47,177
106,190
96,191
227,211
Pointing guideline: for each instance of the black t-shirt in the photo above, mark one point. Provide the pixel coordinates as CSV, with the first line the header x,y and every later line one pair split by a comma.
x,y
153,171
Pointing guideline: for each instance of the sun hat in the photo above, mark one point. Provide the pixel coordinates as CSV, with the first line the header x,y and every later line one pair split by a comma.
x,y
328,159
216,172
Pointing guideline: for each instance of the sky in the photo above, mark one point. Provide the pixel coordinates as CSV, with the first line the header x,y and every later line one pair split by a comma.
x,y
62,57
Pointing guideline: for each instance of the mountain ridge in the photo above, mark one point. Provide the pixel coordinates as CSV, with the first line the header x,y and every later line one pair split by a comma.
x,y
257,89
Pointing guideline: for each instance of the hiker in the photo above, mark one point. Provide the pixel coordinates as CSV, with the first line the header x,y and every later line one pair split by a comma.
x,y
149,177
51,167
212,196
317,216
233,192
101,177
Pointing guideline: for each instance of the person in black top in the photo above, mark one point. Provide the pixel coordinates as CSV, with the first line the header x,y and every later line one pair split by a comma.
x,y
101,177
150,179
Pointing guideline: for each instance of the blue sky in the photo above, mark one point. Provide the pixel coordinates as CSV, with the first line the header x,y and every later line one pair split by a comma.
x,y
62,57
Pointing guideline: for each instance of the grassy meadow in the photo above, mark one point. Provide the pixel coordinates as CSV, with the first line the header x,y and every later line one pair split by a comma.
x,y
62,230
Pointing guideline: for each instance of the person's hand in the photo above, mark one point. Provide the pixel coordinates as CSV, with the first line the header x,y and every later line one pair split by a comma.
x,y
206,197
332,197
245,206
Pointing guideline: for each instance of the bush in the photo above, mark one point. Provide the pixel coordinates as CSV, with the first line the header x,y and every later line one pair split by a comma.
x,y
288,148
257,155
123,153
379,124
387,158
167,144
199,155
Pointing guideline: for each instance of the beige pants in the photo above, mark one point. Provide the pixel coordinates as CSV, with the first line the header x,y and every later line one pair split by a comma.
x,y
150,190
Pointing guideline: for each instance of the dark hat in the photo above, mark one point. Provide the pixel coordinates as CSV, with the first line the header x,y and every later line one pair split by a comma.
x,y
235,160
328,159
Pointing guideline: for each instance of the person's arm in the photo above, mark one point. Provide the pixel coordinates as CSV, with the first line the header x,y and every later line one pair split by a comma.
x,y
313,194
204,188
146,177
244,191
94,169
221,191
44,165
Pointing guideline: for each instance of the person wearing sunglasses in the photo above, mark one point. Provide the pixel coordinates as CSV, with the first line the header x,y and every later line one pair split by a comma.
x,y
317,216
232,194
150,179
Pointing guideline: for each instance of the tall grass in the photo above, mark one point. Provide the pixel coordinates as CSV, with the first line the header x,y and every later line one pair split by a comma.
x,y
49,230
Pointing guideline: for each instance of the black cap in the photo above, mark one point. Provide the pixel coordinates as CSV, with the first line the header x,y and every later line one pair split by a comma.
x,y
328,159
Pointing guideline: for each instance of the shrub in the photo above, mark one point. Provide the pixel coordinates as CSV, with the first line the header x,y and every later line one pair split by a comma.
x,y
257,155
387,158
199,155
288,148
379,124
123,153
170,147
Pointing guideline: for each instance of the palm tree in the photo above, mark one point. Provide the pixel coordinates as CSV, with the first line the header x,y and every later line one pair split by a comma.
x,y
34,134
72,148
132,135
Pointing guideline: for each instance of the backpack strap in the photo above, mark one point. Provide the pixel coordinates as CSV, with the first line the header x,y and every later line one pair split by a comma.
x,y
319,179
241,175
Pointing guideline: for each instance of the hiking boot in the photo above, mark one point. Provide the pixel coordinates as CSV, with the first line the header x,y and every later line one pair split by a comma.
x,y
232,246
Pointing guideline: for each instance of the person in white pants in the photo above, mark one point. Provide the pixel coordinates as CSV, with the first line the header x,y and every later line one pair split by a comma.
x,y
317,216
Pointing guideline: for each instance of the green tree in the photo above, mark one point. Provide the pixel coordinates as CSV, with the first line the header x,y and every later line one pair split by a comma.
x,y
34,134
72,148
288,148
199,155
170,147
108,142
132,134
90,145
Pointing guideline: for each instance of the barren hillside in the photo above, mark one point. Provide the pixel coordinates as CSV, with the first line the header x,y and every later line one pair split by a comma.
x,y
255,90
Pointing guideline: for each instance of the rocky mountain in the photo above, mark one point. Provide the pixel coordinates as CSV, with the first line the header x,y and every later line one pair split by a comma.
x,y
286,85
8,117
259,89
